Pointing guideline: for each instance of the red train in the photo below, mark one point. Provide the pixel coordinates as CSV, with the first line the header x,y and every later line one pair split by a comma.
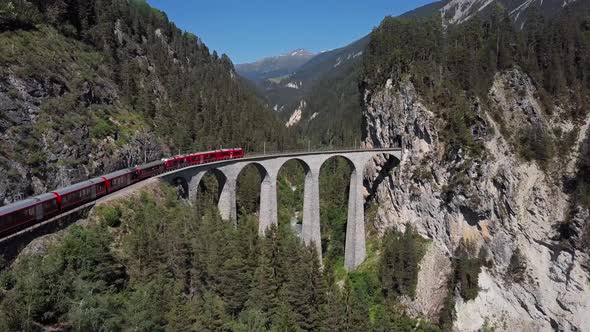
x,y
25,213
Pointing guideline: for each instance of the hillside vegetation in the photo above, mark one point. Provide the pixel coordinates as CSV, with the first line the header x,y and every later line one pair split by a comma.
x,y
155,263
452,67
91,86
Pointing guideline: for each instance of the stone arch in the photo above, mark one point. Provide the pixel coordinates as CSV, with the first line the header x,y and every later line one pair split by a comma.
x,y
352,164
307,178
301,162
197,183
351,175
182,187
265,178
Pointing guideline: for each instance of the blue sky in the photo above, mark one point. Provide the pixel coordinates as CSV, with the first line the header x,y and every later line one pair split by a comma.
x,y
248,30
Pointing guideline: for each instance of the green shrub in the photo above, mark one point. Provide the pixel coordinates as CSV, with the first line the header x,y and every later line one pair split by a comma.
x,y
112,216
18,14
401,255
517,267
102,128
536,144
467,265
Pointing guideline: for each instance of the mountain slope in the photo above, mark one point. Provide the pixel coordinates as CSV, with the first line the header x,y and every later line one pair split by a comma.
x,y
273,67
426,10
459,11
91,87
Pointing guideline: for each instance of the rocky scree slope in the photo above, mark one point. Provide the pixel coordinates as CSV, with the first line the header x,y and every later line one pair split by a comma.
x,y
459,11
91,87
466,176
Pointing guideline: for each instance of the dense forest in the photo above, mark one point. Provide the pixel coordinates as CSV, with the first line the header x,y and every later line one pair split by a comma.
x,y
155,263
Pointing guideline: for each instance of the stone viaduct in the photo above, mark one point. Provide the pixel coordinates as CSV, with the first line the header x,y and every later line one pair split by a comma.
x,y
227,173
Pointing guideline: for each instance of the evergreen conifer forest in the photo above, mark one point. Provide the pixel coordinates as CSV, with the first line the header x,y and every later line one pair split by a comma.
x,y
155,263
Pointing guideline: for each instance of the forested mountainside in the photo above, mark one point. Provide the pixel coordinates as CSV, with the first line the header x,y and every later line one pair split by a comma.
x,y
322,89
87,87
328,111
493,121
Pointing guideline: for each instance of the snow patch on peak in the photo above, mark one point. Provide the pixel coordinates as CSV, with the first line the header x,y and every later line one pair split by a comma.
x,y
314,115
299,51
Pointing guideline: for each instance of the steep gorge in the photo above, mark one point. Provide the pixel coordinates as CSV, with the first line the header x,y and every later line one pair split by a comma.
x,y
506,190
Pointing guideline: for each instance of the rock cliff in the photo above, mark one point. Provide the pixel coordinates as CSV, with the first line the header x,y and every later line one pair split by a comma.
x,y
37,157
499,202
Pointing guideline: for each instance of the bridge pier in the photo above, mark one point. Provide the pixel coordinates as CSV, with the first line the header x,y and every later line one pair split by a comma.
x,y
311,231
193,185
227,203
268,204
355,250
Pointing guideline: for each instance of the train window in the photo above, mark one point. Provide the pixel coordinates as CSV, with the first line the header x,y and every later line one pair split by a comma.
x,y
49,205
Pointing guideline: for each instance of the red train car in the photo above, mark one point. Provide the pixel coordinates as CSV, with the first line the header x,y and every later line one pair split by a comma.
x,y
120,179
25,213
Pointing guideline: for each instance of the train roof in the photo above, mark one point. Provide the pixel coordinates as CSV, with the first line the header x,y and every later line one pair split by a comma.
x,y
198,153
78,186
16,206
119,173
44,197
152,164
26,203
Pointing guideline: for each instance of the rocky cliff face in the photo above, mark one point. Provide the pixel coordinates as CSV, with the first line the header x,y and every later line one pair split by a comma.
x,y
48,135
498,202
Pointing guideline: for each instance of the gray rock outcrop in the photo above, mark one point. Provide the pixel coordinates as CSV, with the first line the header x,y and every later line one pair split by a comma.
x,y
498,202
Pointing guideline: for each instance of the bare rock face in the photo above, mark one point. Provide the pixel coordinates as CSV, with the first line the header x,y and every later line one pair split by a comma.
x,y
501,203
38,156
431,290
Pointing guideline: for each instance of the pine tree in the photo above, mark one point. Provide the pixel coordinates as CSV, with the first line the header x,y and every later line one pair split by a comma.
x,y
318,287
233,282
265,283
517,267
356,315
335,310
212,315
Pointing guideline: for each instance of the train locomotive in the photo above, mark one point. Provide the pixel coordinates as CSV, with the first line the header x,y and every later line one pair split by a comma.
x,y
25,213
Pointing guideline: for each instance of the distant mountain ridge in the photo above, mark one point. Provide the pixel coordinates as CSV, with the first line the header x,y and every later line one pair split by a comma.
x,y
275,66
